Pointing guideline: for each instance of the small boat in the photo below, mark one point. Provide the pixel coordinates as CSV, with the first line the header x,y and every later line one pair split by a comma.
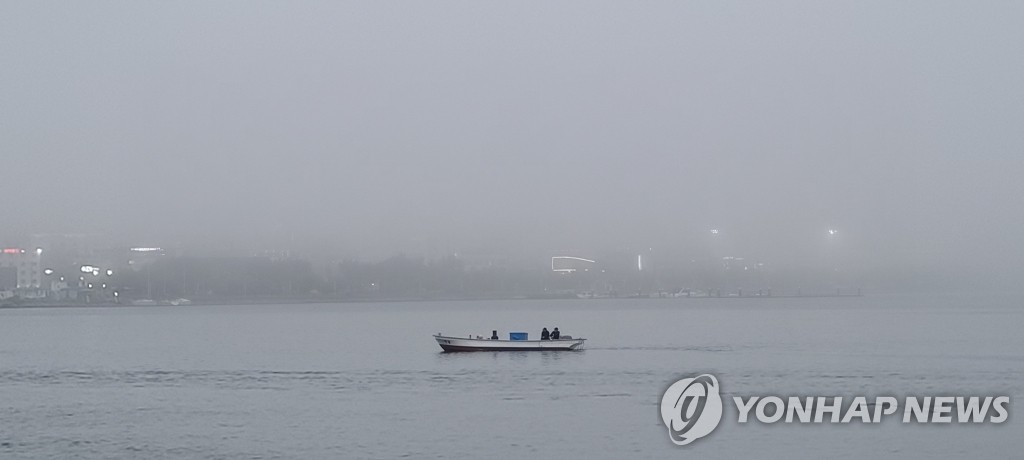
x,y
482,344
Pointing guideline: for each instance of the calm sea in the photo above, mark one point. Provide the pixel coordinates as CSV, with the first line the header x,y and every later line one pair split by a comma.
x,y
368,381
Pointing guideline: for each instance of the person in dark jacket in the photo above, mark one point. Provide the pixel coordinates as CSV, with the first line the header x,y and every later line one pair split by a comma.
x,y
545,335
494,335
555,335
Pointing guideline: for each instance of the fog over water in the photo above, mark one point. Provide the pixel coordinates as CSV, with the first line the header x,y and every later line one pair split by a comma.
x,y
232,228
374,128
336,381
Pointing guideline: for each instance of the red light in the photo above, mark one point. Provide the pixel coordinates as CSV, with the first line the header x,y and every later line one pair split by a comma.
x,y
12,251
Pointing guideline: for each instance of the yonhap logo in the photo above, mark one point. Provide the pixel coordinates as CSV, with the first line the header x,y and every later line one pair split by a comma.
x,y
691,408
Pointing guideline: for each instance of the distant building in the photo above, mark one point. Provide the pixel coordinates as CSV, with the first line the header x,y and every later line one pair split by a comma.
x,y
8,278
570,264
479,261
141,256
63,253
25,266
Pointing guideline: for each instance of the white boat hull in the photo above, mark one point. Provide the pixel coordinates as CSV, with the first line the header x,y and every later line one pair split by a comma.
x,y
470,344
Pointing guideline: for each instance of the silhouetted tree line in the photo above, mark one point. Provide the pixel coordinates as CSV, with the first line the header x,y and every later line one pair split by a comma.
x,y
257,277
411,277
404,277
245,277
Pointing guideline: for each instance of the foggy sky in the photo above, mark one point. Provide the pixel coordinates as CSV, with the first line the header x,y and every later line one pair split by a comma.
x,y
380,127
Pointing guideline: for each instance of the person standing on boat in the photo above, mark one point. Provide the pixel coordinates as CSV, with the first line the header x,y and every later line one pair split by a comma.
x,y
545,335
555,334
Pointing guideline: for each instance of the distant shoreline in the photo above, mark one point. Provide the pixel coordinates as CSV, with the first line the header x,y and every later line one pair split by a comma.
x,y
256,302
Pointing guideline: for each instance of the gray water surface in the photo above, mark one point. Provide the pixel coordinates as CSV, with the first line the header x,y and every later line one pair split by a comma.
x,y
367,380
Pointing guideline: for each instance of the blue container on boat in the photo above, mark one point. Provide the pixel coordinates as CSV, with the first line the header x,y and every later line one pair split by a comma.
x,y
518,336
